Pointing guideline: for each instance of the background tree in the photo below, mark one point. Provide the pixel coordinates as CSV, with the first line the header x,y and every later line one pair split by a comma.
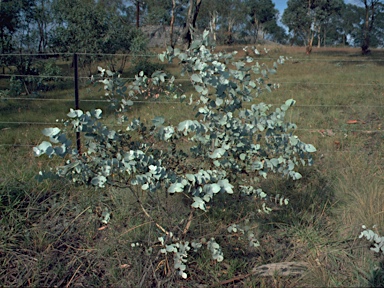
x,y
276,33
177,18
208,17
20,32
43,18
158,12
230,16
9,23
325,12
295,17
305,19
262,17
193,12
139,6
371,10
117,6
172,23
82,26
79,26
170,13
348,26
34,25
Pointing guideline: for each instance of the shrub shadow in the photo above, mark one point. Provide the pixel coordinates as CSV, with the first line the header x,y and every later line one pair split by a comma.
x,y
310,200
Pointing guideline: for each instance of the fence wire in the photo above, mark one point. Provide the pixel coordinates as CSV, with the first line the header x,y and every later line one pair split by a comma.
x,y
187,79
155,55
71,77
179,102
320,152
312,130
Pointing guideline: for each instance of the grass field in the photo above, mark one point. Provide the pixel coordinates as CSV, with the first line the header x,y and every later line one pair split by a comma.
x,y
50,231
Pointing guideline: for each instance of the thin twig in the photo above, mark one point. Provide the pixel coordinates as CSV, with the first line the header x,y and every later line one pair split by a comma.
x,y
232,280
150,217
190,217
145,211
73,276
137,226
148,267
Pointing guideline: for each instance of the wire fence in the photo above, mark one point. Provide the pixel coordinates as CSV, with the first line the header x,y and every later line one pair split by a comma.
x,y
312,130
322,153
154,55
178,102
75,78
187,79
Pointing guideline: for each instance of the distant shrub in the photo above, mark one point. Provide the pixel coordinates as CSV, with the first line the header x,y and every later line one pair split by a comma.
x,y
34,77
146,66
15,87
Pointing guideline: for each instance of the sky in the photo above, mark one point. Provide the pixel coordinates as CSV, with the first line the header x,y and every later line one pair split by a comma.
x,y
282,4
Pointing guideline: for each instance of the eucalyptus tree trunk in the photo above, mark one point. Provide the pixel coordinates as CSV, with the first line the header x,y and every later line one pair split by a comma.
x,y
310,34
172,23
368,24
231,23
212,23
257,27
308,49
193,12
2,46
319,37
42,27
325,37
137,14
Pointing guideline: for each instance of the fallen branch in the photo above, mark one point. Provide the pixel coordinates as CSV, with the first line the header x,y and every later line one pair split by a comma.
x,y
269,270
281,269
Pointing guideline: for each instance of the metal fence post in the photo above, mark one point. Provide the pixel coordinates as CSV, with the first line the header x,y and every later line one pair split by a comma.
x,y
76,74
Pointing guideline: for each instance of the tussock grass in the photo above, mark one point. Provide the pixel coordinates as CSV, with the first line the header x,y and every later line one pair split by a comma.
x,y
50,232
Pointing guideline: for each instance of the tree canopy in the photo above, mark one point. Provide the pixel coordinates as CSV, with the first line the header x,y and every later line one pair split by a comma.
x,y
307,19
100,26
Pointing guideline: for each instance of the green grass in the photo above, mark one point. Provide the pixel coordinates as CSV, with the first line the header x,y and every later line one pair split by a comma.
x,y
50,232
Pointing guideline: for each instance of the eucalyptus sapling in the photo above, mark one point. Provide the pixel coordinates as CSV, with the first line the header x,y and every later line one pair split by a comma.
x,y
233,148
373,237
